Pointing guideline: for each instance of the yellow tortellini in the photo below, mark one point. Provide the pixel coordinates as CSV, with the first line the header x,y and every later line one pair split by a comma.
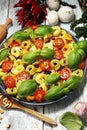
x,y
55,64
17,69
30,69
25,44
36,58
40,78
15,51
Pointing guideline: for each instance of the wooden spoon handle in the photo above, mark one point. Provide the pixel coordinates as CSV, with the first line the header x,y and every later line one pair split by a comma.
x,y
38,115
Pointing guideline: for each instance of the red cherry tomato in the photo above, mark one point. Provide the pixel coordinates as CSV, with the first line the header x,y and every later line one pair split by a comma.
x,y
9,82
34,26
64,73
39,95
45,65
58,54
38,43
23,75
58,43
7,65
14,44
82,65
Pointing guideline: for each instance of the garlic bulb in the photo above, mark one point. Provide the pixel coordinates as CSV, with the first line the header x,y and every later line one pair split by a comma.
x,y
52,17
66,14
81,109
53,4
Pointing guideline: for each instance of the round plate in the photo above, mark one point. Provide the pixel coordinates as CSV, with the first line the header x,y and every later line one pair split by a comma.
x,y
24,102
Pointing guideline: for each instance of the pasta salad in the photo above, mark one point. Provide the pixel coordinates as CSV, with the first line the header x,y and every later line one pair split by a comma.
x,y
41,63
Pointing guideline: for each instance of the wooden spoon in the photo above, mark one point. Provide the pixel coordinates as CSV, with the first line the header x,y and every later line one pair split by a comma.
x,y
3,28
11,104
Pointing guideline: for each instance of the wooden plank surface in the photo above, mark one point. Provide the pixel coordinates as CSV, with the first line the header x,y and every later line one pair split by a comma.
x,y
20,120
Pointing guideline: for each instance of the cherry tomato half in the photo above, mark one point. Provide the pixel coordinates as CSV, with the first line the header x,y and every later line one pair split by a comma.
x,y
23,75
34,26
82,65
58,54
58,43
45,65
9,82
14,44
64,73
39,95
38,43
7,65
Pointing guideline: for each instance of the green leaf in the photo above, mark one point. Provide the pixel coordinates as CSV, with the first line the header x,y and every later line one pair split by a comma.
x,y
52,78
4,53
30,57
43,30
83,45
74,59
26,88
23,35
71,121
82,53
47,53
72,82
0,81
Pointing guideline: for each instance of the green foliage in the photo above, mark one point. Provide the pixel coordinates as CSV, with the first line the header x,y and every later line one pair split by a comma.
x,y
52,78
71,121
4,53
43,30
26,88
81,31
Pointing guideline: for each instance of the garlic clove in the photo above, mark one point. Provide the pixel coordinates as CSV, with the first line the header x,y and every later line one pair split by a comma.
x,y
53,4
66,14
52,17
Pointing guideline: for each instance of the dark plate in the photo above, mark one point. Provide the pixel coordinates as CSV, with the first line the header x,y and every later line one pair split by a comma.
x,y
2,87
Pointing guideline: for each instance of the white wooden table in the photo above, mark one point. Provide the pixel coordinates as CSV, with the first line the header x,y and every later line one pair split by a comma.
x,y
20,120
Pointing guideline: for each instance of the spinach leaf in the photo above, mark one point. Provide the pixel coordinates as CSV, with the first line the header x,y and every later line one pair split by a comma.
x,y
71,121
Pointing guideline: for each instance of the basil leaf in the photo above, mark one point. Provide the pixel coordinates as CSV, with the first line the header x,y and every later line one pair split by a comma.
x,y
74,59
82,53
30,57
43,30
52,78
71,121
23,35
0,81
3,54
27,87
72,82
47,53
83,45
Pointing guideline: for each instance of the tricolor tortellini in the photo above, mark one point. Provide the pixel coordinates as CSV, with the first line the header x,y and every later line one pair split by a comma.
x,y
38,61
